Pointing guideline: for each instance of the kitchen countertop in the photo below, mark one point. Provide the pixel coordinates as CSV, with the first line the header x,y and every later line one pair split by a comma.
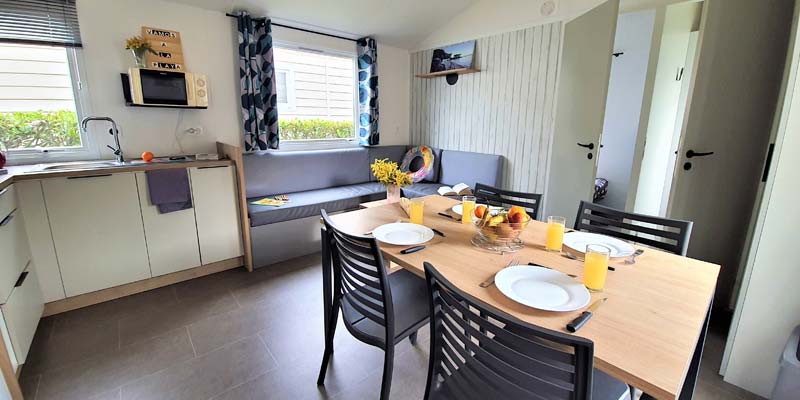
x,y
39,171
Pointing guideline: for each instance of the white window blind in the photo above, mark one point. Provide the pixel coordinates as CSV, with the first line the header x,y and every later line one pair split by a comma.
x,y
43,22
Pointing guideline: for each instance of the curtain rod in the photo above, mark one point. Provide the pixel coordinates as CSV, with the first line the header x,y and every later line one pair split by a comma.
x,y
300,29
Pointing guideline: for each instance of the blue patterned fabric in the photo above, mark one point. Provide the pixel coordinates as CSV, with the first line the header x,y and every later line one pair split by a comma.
x,y
367,92
257,78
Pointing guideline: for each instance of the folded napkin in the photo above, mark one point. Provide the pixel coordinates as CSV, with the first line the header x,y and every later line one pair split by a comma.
x,y
169,189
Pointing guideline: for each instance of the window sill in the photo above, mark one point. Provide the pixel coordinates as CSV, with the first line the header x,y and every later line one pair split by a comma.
x,y
36,157
302,145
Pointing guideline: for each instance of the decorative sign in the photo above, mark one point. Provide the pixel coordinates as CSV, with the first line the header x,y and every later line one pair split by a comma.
x,y
167,46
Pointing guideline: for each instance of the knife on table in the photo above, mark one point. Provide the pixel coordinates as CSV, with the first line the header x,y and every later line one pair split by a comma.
x,y
411,249
577,323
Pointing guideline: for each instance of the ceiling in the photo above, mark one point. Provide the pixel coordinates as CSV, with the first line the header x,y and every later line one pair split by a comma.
x,y
396,23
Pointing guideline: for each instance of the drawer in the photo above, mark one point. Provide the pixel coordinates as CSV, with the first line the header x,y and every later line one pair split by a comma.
x,y
14,251
22,312
8,202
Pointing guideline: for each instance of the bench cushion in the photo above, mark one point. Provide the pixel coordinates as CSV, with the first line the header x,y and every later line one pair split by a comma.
x,y
308,203
421,189
271,172
470,168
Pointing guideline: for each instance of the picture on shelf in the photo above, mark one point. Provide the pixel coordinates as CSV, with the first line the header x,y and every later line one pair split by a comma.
x,y
454,56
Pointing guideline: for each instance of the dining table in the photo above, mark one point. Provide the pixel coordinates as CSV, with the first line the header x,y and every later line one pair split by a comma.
x,y
649,333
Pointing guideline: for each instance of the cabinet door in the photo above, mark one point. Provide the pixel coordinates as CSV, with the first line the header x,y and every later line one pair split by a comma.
x,y
22,312
14,251
171,237
217,211
97,230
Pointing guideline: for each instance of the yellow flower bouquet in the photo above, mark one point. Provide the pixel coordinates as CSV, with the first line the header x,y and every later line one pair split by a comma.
x,y
390,175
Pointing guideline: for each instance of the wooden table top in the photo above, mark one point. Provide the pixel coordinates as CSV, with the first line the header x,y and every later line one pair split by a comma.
x,y
644,335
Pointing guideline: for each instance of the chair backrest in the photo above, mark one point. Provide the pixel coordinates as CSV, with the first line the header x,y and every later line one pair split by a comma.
x,y
662,233
478,352
360,282
500,197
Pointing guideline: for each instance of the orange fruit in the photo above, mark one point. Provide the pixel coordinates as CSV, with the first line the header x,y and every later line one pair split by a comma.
x,y
515,210
147,156
479,211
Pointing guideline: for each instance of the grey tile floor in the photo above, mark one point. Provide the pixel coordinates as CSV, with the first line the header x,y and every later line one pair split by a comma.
x,y
233,335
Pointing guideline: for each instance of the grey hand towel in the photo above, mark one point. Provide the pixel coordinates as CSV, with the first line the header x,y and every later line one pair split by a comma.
x,y
169,189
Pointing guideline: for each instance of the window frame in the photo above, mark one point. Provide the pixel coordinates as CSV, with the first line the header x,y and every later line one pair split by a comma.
x,y
321,144
80,94
291,95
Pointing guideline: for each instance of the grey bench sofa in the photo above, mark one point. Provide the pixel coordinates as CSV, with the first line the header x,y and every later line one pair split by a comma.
x,y
336,180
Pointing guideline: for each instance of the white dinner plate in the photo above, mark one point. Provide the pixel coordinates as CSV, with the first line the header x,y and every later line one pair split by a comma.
x,y
456,209
578,240
542,288
403,234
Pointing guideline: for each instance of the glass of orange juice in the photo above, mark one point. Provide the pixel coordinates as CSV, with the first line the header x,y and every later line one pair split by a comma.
x,y
555,233
416,210
595,267
467,209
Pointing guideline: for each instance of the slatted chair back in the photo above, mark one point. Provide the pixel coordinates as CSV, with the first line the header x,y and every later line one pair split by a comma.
x,y
478,352
504,198
662,233
360,282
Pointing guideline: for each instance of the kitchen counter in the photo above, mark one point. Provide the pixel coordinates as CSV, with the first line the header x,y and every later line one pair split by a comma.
x,y
41,171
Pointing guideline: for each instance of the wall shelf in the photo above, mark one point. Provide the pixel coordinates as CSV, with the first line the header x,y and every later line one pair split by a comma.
x,y
459,71
129,104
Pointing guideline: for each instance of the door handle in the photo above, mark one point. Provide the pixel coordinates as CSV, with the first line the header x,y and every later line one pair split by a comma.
x,y
692,153
589,146
8,218
88,176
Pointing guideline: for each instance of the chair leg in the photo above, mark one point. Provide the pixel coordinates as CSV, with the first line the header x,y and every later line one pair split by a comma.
x,y
329,335
413,338
388,364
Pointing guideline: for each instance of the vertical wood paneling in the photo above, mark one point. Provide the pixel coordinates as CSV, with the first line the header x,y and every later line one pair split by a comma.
x,y
506,109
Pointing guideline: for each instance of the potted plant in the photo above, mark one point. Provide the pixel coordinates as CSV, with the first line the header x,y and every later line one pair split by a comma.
x,y
138,46
390,175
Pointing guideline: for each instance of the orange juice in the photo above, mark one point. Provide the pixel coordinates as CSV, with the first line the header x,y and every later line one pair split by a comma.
x,y
416,210
467,209
595,267
555,233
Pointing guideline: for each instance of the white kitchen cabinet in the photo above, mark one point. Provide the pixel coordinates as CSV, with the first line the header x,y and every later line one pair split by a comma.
x,y
22,311
43,252
217,212
13,242
171,238
96,222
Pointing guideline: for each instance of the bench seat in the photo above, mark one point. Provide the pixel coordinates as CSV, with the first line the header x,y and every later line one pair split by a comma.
x,y
310,202
421,189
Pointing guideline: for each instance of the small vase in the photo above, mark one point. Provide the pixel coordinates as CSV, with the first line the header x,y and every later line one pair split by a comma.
x,y
138,57
392,193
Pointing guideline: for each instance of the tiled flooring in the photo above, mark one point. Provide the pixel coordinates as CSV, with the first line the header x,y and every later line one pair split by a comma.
x,y
230,336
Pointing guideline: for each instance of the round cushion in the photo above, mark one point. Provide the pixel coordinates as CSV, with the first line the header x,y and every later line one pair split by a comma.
x,y
418,163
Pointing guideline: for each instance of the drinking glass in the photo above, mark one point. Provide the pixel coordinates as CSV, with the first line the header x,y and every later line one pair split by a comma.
x,y
595,267
467,208
416,210
555,233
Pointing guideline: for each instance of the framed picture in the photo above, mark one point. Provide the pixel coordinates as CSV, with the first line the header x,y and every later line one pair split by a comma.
x,y
454,56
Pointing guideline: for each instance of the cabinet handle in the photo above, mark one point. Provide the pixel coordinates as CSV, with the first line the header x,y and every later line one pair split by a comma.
x,y
21,279
4,190
8,218
216,166
88,176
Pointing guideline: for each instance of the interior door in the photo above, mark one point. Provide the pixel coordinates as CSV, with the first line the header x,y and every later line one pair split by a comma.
x,y
743,47
580,111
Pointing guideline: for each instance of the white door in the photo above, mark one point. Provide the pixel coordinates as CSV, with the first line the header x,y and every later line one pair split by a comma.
x,y
22,312
216,207
582,88
171,238
97,230
731,106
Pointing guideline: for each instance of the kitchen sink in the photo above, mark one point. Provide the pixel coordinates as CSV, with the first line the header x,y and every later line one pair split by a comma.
x,y
81,165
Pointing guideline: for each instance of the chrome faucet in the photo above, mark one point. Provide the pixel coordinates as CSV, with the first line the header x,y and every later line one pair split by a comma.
x,y
113,131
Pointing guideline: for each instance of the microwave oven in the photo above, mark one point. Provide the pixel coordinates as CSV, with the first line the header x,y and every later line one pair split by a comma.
x,y
151,87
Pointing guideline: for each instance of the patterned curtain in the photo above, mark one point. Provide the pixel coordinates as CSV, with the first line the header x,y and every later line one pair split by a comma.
x,y
257,76
367,92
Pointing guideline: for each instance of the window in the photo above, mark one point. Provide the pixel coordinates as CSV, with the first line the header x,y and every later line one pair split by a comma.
x,y
316,94
38,109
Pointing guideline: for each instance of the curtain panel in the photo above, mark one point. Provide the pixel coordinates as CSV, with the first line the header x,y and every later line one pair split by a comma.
x,y
257,78
367,51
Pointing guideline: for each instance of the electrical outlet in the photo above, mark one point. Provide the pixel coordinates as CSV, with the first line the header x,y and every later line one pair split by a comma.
x,y
194,130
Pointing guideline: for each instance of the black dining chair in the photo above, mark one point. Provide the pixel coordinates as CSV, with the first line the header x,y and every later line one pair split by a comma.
x,y
378,309
479,352
499,197
671,235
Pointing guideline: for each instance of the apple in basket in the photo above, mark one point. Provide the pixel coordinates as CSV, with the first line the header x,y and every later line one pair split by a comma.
x,y
500,225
